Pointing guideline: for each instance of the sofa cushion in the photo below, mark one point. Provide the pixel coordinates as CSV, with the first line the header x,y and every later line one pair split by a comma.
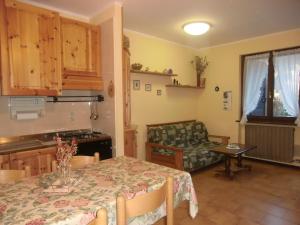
x,y
174,135
155,134
200,134
199,156
189,132
180,135
169,135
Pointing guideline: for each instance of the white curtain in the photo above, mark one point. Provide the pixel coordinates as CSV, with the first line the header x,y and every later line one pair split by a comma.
x,y
287,72
255,71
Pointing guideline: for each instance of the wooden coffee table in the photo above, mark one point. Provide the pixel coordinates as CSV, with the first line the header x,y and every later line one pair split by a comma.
x,y
233,153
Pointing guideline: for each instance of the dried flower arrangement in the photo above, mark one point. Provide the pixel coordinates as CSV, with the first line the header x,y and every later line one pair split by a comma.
x,y
200,65
65,151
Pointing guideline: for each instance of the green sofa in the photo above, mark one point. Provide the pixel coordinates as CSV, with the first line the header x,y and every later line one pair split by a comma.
x,y
183,145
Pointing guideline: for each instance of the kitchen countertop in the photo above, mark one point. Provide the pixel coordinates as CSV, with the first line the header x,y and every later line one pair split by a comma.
x,y
31,142
24,146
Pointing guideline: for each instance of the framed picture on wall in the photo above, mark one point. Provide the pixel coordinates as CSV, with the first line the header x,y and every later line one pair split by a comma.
x,y
136,85
147,87
158,92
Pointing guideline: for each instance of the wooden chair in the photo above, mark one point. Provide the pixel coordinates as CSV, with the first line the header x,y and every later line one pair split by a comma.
x,y
146,203
10,176
101,218
79,161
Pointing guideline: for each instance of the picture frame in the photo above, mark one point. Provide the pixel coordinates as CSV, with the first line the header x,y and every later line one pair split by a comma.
x,y
147,87
136,85
158,92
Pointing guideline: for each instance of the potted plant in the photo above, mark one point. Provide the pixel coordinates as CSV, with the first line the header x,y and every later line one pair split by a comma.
x,y
200,64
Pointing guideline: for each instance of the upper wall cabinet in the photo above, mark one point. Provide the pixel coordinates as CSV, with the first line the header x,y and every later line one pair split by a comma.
x,y
30,50
80,55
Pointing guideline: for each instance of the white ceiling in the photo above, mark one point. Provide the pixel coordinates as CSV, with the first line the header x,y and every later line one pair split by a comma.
x,y
231,20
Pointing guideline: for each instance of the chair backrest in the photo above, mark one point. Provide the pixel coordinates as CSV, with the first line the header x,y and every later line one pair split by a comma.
x,y
10,176
82,160
101,218
142,204
79,161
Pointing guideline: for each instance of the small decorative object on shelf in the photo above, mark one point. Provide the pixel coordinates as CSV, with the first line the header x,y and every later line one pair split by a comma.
x,y
64,155
136,66
168,71
175,82
200,64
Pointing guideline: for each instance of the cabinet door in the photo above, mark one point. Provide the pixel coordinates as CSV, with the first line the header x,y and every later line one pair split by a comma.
x,y
39,160
126,88
31,158
47,155
130,147
4,161
32,62
81,55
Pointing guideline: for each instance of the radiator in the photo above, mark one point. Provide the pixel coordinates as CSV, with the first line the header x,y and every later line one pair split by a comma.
x,y
273,142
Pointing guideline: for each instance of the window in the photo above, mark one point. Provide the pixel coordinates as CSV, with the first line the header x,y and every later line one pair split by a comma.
x,y
271,86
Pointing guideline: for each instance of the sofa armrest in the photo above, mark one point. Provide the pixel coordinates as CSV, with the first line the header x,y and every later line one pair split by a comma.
x,y
224,139
176,163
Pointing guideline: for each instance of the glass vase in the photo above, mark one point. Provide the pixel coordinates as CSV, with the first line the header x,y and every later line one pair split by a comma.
x,y
64,170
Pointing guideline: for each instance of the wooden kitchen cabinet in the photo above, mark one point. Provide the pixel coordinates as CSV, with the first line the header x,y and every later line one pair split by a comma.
x,y
130,147
30,49
4,161
39,160
80,55
47,155
19,160
126,87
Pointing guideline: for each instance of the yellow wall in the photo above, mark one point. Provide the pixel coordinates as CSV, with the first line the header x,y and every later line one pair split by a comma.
x,y
106,109
205,105
224,71
174,104
112,71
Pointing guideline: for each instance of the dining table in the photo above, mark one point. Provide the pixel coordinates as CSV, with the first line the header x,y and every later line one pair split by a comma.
x,y
34,201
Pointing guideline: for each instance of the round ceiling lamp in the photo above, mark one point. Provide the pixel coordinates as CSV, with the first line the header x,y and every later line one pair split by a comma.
x,y
196,28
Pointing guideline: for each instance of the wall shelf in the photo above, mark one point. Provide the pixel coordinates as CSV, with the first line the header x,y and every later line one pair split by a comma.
x,y
183,86
153,73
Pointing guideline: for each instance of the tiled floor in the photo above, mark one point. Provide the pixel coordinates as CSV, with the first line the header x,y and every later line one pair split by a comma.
x,y
268,195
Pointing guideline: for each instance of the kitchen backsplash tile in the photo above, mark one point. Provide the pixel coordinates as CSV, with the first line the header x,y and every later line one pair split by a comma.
x,y
58,117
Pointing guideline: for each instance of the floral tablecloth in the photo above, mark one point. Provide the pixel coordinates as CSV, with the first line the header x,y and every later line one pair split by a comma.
x,y
26,202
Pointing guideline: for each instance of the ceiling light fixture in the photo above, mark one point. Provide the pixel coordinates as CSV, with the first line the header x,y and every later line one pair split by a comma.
x,y
196,28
